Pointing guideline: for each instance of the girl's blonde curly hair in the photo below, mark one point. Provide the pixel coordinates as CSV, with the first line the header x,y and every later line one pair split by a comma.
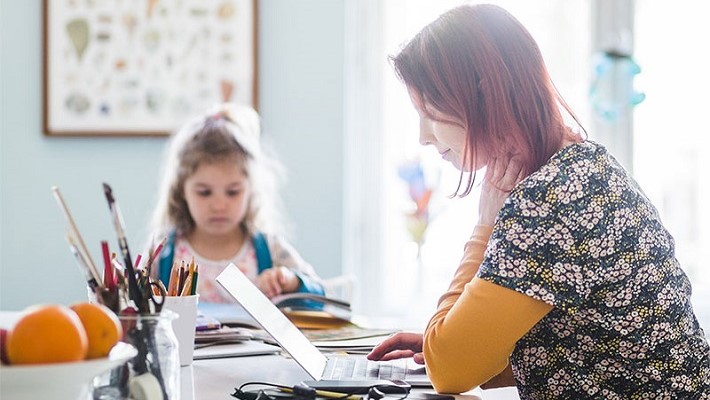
x,y
228,132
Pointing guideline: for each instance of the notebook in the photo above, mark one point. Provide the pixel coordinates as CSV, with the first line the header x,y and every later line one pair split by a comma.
x,y
315,363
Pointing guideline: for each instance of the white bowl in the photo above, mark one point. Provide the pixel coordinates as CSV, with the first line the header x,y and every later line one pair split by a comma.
x,y
61,381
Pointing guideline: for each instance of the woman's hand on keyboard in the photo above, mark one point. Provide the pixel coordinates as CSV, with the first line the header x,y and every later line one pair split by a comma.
x,y
399,345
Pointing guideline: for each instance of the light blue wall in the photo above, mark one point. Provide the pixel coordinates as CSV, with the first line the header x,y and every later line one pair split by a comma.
x,y
301,86
301,49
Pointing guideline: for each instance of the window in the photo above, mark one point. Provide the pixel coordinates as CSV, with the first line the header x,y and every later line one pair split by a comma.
x,y
379,243
667,132
671,158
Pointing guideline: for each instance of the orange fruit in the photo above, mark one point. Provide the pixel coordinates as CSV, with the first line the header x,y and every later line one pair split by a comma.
x,y
102,327
47,334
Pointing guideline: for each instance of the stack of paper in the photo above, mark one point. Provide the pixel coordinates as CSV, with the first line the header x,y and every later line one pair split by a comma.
x,y
222,334
241,349
352,346
315,319
231,314
352,339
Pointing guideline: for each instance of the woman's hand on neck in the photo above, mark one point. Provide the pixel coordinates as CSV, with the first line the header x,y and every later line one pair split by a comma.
x,y
502,174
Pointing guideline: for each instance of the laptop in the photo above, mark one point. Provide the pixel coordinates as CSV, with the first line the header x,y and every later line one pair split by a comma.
x,y
315,363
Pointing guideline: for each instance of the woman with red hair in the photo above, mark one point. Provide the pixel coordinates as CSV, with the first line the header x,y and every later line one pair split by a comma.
x,y
569,286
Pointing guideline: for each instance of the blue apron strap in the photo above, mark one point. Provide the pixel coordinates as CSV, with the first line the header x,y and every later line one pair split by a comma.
x,y
263,255
165,263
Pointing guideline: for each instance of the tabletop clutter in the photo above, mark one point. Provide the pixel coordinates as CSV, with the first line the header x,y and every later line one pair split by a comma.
x,y
163,324
148,311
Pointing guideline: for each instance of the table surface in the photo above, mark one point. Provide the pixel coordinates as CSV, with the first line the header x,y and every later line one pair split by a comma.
x,y
216,379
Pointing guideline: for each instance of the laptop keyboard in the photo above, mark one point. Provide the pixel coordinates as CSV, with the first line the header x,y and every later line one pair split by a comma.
x,y
349,368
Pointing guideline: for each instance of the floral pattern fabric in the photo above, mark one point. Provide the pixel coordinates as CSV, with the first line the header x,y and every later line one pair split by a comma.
x,y
581,236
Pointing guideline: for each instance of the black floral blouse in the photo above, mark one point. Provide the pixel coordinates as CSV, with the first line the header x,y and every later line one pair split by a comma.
x,y
581,236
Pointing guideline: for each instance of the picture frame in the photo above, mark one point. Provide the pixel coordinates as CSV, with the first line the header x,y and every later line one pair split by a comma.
x,y
140,68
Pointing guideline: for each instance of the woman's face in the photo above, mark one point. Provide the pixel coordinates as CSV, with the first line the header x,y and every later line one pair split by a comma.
x,y
446,133
217,195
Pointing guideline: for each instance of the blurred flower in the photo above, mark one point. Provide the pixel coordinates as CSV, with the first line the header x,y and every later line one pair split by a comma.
x,y
420,193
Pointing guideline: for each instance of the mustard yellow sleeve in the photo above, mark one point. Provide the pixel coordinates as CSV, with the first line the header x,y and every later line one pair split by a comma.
x,y
476,325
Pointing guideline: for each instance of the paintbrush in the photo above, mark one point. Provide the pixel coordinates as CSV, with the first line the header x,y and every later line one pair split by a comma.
x,y
76,244
133,291
81,260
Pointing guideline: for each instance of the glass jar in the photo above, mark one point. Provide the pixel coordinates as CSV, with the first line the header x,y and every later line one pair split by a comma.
x,y
155,370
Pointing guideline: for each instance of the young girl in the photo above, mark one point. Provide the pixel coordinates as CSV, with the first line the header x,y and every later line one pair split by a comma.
x,y
569,287
218,205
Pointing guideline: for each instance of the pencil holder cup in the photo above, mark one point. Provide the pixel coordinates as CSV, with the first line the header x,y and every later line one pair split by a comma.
x,y
154,373
184,325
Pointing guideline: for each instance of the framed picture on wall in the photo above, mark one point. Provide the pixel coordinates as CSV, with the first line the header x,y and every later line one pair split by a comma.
x,y
141,67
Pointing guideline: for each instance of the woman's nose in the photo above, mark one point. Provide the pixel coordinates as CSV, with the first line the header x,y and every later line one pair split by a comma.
x,y
425,135
422,139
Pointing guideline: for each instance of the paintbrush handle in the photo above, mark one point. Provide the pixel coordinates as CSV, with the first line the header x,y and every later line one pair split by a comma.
x,y
90,281
133,291
87,262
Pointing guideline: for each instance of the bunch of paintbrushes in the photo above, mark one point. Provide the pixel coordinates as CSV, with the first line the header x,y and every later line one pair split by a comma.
x,y
126,288
125,285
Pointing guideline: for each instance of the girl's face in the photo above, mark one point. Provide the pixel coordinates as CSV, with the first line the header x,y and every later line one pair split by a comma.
x,y
446,133
217,195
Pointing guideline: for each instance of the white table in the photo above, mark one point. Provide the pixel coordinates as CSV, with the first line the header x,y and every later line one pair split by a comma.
x,y
216,379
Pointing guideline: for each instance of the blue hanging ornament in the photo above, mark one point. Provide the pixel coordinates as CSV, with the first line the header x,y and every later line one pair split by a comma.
x,y
612,91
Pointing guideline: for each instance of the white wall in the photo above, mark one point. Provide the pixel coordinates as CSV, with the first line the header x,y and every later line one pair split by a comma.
x,y
301,49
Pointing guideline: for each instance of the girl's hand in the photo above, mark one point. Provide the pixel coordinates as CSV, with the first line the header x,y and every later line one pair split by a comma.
x,y
502,174
275,281
399,345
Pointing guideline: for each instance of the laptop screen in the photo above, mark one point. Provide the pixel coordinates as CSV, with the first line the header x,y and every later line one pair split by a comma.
x,y
273,320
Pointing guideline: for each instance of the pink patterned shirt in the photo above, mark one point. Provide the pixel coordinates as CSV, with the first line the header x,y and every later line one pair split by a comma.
x,y
282,254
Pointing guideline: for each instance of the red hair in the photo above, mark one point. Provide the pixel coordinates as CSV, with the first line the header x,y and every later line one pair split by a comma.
x,y
480,65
